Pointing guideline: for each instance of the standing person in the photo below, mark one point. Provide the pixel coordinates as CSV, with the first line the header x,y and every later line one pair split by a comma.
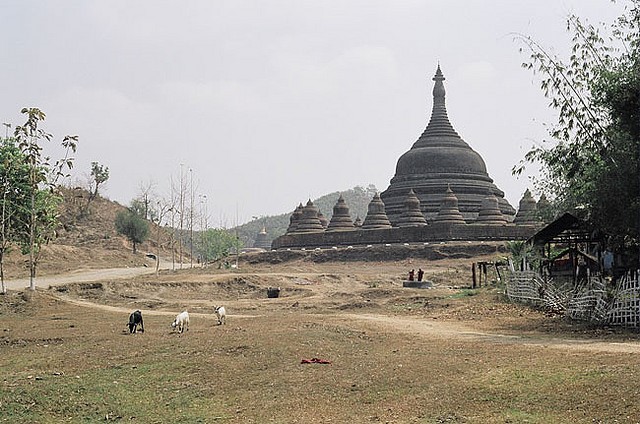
x,y
411,275
420,274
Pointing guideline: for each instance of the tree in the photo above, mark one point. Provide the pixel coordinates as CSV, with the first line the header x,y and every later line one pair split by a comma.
x,y
14,189
591,164
98,177
217,243
131,225
43,201
163,208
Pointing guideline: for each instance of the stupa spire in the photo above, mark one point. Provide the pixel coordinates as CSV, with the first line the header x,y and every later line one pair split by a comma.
x,y
440,156
439,124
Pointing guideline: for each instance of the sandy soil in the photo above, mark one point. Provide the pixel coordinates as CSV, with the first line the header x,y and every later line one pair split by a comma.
x,y
446,354
360,294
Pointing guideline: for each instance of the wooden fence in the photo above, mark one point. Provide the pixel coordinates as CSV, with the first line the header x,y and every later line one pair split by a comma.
x,y
596,300
624,306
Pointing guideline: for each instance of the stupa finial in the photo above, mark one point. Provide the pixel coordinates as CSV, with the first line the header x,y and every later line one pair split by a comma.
x,y
438,88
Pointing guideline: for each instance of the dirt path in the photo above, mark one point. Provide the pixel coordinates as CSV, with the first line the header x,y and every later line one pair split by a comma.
x,y
411,325
418,326
444,329
83,276
119,309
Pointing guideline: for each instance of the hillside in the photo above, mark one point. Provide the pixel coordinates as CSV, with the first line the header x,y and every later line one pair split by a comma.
x,y
87,240
357,199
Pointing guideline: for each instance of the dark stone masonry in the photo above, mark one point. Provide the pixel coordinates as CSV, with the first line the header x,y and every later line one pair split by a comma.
x,y
441,192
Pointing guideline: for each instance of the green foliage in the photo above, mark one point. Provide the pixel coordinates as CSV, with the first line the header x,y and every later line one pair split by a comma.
x,y
132,226
463,293
14,187
45,209
217,243
144,207
29,137
357,198
99,176
591,164
521,250
14,192
38,225
138,207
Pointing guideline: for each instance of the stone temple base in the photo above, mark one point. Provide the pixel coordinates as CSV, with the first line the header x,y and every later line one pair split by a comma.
x,y
433,233
426,284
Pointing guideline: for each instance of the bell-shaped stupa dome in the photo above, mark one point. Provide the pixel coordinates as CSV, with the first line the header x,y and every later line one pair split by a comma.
x,y
440,157
526,209
358,222
376,216
490,212
412,215
309,221
262,241
449,212
341,218
294,219
323,220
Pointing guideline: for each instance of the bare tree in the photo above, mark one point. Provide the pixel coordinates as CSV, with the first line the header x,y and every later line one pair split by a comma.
x,y
164,207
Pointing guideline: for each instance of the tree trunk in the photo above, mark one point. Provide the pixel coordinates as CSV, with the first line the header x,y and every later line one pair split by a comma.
x,y
4,288
32,237
4,240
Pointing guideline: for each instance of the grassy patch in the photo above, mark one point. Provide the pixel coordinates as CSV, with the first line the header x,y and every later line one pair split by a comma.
x,y
397,368
463,293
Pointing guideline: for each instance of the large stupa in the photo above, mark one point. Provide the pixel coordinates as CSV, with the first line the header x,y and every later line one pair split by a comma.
x,y
438,161
441,192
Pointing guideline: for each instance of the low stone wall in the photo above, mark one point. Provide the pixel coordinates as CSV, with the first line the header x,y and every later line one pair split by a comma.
x,y
380,252
433,233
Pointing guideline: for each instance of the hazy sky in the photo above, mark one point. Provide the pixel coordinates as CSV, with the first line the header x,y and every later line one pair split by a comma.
x,y
270,103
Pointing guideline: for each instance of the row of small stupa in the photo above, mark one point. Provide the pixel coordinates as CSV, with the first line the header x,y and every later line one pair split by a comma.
x,y
308,219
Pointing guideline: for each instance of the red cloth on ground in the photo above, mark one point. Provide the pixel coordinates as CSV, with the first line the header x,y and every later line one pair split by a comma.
x,y
315,361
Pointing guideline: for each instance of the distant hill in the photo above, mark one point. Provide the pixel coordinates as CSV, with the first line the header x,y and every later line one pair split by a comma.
x,y
357,199
87,237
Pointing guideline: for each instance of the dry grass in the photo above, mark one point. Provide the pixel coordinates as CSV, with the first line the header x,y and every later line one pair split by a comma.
x,y
398,355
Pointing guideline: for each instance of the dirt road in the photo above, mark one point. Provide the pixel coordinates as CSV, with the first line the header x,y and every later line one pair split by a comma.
x,y
445,329
419,326
84,275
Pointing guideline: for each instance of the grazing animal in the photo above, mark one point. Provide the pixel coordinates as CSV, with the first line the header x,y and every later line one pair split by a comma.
x,y
221,313
135,320
181,322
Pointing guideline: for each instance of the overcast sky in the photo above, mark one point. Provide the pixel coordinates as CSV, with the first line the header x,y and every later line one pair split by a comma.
x,y
270,103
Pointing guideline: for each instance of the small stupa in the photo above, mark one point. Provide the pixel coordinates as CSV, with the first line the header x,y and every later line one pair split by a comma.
x,y
544,211
341,218
294,219
449,212
526,209
261,240
358,222
376,216
323,220
309,221
490,212
412,215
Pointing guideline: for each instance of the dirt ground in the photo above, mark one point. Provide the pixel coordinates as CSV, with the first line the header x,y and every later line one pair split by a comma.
x,y
398,355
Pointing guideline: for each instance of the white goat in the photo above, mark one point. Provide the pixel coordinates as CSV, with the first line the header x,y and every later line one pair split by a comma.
x,y
181,322
221,313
